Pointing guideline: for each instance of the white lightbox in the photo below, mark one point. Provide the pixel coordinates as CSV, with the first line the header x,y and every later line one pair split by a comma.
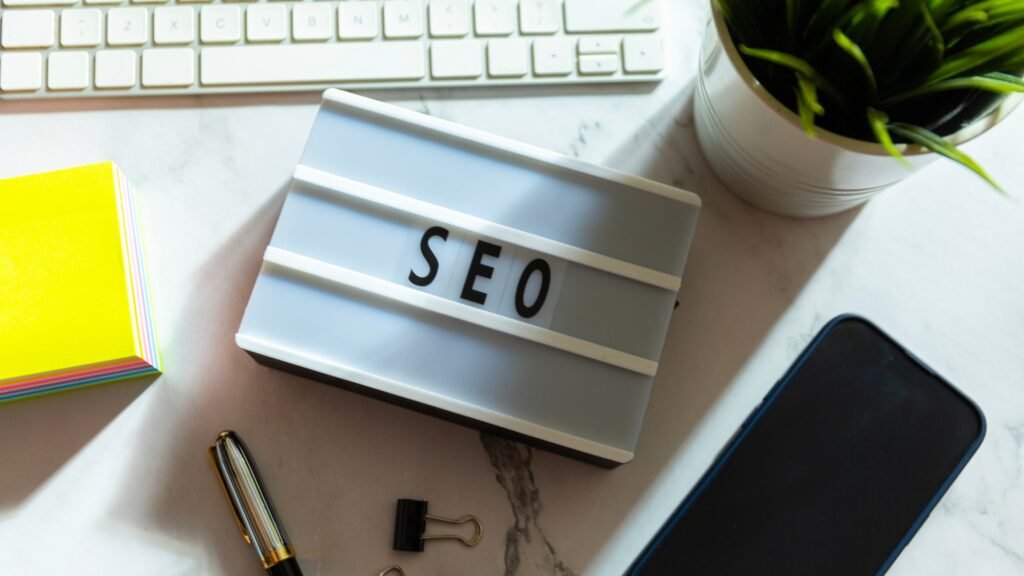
x,y
473,277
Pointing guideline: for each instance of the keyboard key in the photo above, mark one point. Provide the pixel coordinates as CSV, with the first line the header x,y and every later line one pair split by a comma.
x,y
642,54
312,21
102,2
449,18
83,27
220,24
508,58
540,16
22,3
168,68
115,69
295,63
611,16
456,59
127,26
265,23
174,25
358,20
149,1
598,45
67,71
552,57
27,29
403,19
494,17
21,71
597,64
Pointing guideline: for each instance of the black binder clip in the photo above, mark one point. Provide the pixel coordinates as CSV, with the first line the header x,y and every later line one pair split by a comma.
x,y
411,526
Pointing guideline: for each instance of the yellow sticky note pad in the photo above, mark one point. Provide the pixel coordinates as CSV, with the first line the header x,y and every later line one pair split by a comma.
x,y
74,308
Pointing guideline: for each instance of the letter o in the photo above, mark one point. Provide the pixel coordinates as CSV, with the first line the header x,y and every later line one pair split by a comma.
x,y
535,265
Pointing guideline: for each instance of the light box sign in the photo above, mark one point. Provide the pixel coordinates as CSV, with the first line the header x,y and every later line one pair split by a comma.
x,y
472,277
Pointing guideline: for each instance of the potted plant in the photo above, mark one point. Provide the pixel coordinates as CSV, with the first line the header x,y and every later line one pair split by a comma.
x,y
808,108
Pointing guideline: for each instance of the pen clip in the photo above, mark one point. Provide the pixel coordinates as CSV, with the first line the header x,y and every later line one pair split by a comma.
x,y
227,494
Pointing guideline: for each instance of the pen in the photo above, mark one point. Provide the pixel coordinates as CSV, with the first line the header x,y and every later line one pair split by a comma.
x,y
251,506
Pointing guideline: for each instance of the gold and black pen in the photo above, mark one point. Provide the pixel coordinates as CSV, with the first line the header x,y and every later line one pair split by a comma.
x,y
251,506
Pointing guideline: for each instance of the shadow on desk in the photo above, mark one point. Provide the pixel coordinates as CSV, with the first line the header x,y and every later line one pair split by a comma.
x,y
225,100
40,435
185,101
207,386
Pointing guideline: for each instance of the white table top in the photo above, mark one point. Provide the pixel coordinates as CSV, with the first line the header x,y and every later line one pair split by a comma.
x,y
116,479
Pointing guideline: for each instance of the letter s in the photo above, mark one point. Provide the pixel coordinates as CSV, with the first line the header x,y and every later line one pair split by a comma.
x,y
429,256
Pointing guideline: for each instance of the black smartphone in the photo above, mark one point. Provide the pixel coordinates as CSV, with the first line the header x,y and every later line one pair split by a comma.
x,y
832,473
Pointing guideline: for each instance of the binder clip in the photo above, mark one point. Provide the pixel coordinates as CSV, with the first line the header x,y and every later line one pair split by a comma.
x,y
411,525
392,569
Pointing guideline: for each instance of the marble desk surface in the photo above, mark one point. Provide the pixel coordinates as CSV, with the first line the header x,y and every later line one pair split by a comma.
x,y
116,479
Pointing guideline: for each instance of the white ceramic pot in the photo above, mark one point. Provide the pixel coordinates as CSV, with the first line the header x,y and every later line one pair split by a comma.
x,y
759,149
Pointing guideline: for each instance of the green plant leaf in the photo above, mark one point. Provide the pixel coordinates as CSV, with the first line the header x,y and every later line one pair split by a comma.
x,y
808,106
1010,43
937,40
799,65
879,122
781,58
1014,62
806,113
792,9
942,8
1006,13
877,9
866,12
809,92
882,7
983,12
965,17
997,82
822,20
903,49
939,145
851,48
859,20
862,21
1007,78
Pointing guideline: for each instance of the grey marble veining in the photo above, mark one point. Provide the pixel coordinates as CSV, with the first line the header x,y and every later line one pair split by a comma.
x,y
527,549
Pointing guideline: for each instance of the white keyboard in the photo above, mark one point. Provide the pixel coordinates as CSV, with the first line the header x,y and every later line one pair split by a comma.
x,y
91,48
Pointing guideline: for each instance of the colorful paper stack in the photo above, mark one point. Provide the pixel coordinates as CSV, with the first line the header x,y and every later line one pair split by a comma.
x,y
74,307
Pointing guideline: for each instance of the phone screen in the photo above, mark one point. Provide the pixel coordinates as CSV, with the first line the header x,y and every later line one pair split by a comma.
x,y
832,474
